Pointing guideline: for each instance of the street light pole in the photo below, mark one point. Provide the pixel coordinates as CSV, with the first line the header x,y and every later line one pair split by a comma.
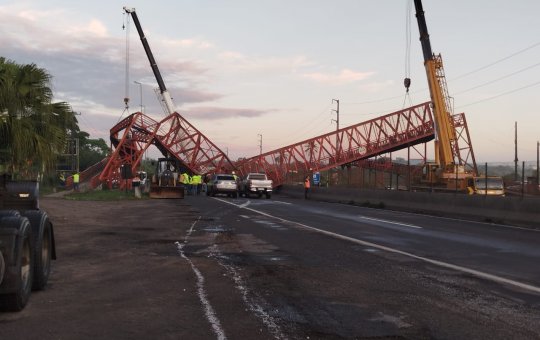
x,y
538,164
337,125
260,143
140,93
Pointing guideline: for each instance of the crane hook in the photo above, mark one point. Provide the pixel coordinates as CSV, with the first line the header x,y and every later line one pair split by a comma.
x,y
407,83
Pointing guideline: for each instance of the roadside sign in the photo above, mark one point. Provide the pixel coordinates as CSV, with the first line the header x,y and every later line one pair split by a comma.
x,y
316,178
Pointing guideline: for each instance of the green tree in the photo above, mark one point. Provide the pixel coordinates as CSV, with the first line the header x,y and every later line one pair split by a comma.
x,y
33,129
91,151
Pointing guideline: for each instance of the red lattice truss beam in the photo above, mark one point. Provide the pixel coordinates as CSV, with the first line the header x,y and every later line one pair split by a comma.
x,y
384,134
173,136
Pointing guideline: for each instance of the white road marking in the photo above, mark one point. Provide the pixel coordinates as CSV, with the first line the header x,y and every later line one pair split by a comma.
x,y
208,310
474,272
390,222
253,306
460,220
281,202
245,204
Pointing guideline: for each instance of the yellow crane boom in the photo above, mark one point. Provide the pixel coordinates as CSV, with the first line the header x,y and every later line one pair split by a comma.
x,y
445,153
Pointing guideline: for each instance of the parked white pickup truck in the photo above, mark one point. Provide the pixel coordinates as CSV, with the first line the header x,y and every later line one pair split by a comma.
x,y
256,184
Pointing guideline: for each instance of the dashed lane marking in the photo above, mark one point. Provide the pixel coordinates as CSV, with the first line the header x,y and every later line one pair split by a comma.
x,y
474,272
390,222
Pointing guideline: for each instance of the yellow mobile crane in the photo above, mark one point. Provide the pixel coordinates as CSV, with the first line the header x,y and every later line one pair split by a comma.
x,y
447,170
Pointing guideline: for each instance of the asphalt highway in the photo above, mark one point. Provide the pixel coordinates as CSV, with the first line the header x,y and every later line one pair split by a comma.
x,y
280,268
392,274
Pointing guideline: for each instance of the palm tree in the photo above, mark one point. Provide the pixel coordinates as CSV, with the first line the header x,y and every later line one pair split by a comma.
x,y
33,129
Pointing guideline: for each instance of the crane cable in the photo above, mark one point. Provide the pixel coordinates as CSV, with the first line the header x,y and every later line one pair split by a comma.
x,y
407,80
125,27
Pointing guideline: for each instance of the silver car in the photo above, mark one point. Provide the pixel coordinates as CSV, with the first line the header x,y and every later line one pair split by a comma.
x,y
222,184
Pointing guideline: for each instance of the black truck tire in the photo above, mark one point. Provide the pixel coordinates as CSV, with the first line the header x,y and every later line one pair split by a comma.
x,y
2,267
9,213
43,240
23,259
4,213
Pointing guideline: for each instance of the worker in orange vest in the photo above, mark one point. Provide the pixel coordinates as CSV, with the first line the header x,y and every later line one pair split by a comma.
x,y
307,185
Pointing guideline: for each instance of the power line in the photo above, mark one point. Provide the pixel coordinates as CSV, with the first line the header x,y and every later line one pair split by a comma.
x,y
500,95
307,128
496,62
452,79
496,80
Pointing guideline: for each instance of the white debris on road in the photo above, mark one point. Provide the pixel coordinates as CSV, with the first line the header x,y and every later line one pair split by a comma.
x,y
208,309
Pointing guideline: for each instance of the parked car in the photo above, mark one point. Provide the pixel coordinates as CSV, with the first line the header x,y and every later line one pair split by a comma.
x,y
256,184
222,184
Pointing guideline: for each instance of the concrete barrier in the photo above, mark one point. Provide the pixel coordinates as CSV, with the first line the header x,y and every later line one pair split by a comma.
x,y
513,210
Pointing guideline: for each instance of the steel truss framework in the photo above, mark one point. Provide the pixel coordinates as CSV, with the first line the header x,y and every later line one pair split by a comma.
x,y
381,135
174,136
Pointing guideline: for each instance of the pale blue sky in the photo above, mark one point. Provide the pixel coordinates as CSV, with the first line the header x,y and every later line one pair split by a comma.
x,y
237,69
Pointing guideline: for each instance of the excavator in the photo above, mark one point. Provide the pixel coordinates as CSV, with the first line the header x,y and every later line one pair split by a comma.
x,y
448,171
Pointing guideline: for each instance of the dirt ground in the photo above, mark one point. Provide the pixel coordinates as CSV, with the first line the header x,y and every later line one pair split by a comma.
x,y
119,275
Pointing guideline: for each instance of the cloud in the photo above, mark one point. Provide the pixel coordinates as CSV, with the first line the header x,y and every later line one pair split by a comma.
x,y
345,76
214,113
193,96
88,64
196,43
377,87
238,62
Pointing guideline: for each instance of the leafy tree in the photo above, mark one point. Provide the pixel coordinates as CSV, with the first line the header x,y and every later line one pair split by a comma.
x,y
33,129
91,151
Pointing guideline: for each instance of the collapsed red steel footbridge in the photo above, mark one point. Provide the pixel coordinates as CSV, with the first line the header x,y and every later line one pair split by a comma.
x,y
374,137
175,137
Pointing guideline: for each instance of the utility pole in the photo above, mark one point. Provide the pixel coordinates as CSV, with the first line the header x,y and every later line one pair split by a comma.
x,y
337,124
140,93
516,154
538,164
260,143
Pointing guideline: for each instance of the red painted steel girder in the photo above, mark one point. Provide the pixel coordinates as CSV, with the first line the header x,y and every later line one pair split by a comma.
x,y
173,136
384,134
463,150
182,140
138,132
90,174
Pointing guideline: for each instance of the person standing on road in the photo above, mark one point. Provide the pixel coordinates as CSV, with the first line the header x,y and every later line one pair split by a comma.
x,y
197,182
185,181
307,185
192,185
76,181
